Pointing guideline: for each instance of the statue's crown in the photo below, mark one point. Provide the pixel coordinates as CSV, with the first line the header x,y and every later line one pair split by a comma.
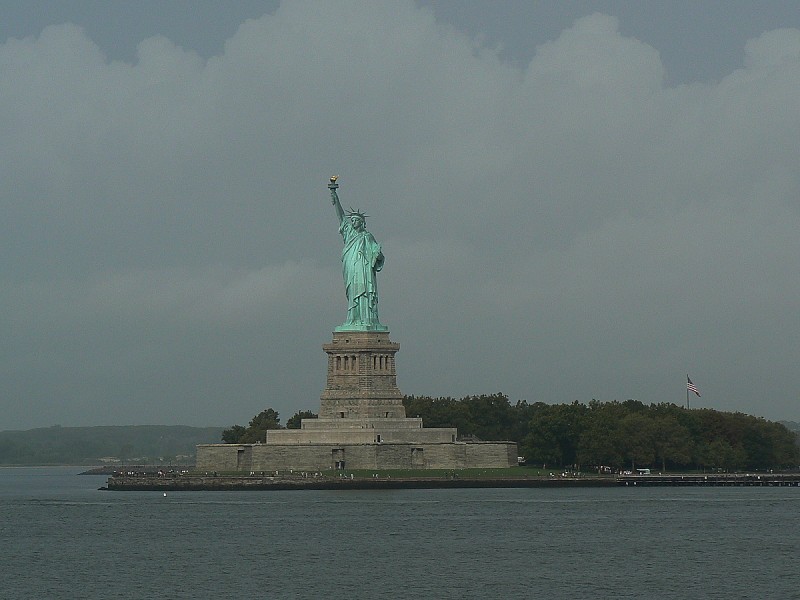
x,y
357,213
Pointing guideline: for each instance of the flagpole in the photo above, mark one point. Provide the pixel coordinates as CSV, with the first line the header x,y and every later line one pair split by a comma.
x,y
687,393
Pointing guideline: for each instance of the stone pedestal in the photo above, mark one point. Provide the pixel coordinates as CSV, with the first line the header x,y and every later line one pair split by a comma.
x,y
361,381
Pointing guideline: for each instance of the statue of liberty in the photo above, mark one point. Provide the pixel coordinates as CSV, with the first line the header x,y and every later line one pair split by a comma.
x,y
361,260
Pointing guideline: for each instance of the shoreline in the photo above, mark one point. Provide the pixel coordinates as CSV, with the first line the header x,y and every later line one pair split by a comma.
x,y
281,483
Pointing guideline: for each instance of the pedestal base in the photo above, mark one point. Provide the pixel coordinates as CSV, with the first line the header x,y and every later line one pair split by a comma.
x,y
352,327
361,378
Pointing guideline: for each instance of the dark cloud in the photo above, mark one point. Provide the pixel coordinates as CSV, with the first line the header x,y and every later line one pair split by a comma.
x,y
571,227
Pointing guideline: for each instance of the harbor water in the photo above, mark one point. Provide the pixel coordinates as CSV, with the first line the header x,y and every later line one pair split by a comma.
x,y
62,538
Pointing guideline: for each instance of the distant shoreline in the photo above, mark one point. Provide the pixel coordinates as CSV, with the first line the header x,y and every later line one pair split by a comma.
x,y
95,469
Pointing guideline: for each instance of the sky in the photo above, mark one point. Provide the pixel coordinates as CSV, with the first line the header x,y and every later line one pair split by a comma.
x,y
576,200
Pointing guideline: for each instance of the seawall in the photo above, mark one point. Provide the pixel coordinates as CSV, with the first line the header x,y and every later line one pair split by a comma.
x,y
221,483
298,482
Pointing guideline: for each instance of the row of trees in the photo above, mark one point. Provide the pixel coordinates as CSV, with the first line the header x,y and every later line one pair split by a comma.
x,y
257,429
626,434
616,434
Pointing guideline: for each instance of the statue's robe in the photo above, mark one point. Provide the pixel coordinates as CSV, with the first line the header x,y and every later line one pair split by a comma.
x,y
361,260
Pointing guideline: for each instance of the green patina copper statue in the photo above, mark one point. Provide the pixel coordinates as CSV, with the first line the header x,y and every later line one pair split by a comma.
x,y
361,260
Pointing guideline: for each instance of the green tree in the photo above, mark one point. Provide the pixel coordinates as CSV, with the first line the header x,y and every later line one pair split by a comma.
x,y
785,446
540,446
599,442
491,416
719,454
256,431
259,425
554,433
233,434
671,441
637,437
440,412
294,421
521,415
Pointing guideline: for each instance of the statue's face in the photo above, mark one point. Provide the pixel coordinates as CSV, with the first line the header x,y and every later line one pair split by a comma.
x,y
358,222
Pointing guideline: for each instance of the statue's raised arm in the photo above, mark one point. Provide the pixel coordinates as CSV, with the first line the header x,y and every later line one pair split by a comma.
x,y
362,258
332,186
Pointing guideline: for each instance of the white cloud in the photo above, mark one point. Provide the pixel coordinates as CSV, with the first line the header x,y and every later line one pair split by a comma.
x,y
777,48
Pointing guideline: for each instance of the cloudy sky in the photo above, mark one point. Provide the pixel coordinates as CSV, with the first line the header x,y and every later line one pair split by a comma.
x,y
576,200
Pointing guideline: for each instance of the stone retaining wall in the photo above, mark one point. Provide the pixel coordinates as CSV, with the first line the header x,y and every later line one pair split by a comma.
x,y
314,457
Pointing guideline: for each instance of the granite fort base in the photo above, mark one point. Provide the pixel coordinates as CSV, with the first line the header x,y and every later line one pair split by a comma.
x,y
320,457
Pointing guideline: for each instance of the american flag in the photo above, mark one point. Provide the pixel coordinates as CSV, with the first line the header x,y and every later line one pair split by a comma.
x,y
690,386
